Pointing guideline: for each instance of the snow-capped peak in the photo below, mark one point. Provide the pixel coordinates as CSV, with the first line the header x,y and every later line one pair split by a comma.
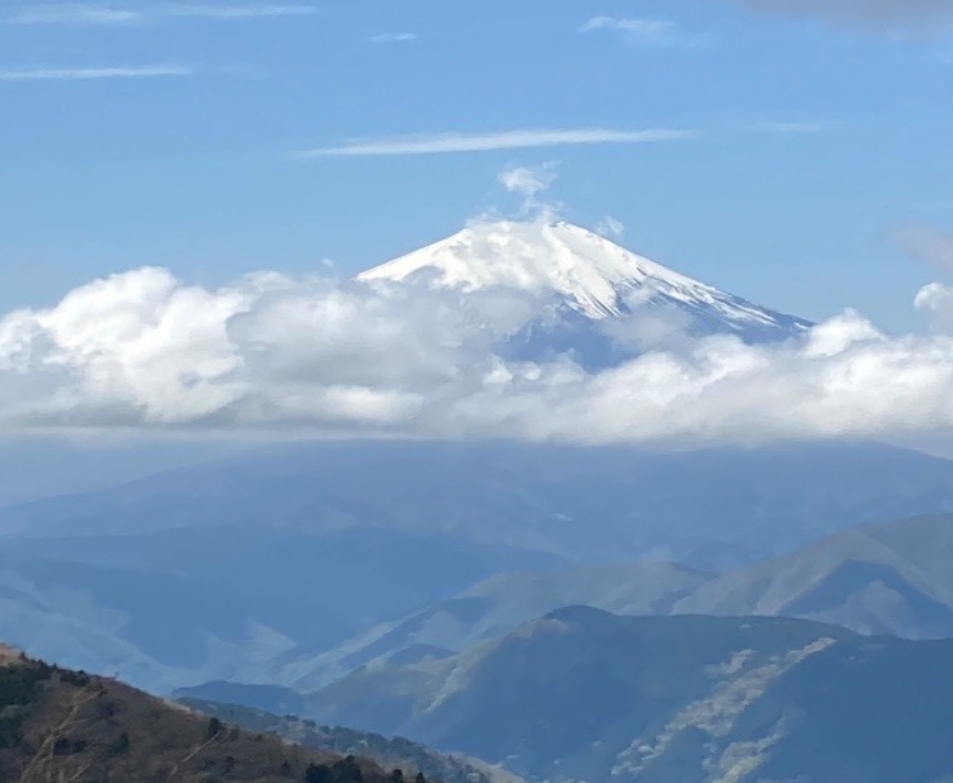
x,y
590,273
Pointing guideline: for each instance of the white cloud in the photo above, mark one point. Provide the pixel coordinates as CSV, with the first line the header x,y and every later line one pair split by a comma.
x,y
611,227
644,31
143,350
722,390
92,74
649,328
936,300
444,143
529,181
383,38
98,14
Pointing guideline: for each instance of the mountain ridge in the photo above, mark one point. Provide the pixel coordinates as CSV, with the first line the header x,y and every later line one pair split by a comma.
x,y
65,725
390,753
878,578
84,579
584,273
583,694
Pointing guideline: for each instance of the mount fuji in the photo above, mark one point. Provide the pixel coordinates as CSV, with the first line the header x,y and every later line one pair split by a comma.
x,y
598,299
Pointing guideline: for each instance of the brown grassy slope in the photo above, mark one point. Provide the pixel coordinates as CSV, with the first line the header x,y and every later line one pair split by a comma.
x,y
66,727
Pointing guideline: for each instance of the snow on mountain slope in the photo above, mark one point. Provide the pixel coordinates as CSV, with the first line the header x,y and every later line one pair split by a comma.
x,y
588,273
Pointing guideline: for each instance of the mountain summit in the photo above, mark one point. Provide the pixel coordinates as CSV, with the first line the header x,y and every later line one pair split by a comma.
x,y
584,273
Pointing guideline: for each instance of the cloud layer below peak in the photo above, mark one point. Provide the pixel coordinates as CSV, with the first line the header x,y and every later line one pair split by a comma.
x,y
143,351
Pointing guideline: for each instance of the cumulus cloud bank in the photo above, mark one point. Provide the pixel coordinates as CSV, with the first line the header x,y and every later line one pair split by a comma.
x,y
143,350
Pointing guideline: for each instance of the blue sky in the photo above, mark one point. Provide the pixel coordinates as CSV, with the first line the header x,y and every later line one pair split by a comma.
x,y
170,134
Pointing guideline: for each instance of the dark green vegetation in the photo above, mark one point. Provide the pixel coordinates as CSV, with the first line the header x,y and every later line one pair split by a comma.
x,y
411,758
20,682
60,726
586,695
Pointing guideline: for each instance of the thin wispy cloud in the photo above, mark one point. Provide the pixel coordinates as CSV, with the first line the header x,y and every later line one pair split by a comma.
x,y
41,15
527,138
611,227
92,74
112,15
645,31
384,38
529,181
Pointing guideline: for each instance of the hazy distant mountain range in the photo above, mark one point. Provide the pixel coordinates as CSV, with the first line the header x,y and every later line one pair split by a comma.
x,y
497,606
586,695
710,508
890,578
352,535
171,608
881,578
